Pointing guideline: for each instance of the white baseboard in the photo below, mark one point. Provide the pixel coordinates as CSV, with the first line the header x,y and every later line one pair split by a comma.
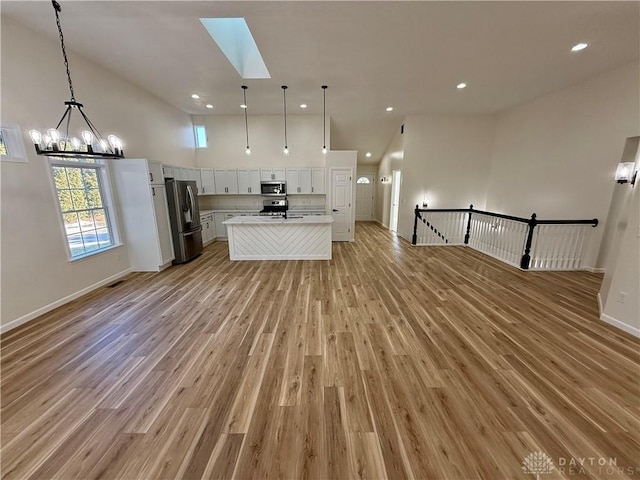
x,y
47,308
599,303
380,223
594,270
621,325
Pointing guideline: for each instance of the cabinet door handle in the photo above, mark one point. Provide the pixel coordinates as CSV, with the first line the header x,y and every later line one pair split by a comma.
x,y
249,189
334,210
153,191
311,189
151,176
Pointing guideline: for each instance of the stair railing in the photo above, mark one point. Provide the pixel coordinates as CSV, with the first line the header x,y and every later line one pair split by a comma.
x,y
527,243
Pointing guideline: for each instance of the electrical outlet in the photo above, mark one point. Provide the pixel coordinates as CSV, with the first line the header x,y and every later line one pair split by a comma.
x,y
622,296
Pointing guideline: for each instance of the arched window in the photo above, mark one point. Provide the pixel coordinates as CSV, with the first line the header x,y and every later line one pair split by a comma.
x,y
363,180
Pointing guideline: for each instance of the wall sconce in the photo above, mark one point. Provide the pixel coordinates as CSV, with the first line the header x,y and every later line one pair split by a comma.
x,y
626,173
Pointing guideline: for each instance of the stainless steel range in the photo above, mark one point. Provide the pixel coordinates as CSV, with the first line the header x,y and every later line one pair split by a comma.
x,y
275,207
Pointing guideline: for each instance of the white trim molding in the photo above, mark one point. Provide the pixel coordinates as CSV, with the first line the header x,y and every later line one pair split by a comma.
x,y
58,303
621,325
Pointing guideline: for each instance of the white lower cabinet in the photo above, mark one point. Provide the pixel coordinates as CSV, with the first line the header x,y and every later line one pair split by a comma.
x,y
145,216
221,230
208,228
219,217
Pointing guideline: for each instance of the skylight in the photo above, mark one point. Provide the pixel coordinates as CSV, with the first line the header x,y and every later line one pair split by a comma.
x,y
235,40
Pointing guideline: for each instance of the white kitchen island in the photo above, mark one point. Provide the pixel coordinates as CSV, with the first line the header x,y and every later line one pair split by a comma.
x,y
277,238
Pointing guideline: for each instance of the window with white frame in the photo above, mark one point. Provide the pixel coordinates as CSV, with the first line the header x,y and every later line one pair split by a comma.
x,y
85,205
201,136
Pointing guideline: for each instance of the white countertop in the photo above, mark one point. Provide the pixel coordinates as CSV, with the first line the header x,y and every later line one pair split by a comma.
x,y
265,220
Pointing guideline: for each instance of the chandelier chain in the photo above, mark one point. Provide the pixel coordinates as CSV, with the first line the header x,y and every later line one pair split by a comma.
x,y
57,8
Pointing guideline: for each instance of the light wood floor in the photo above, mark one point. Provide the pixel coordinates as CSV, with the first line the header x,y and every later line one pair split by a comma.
x,y
388,361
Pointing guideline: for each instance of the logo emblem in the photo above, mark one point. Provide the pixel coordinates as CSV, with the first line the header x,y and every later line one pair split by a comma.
x,y
537,463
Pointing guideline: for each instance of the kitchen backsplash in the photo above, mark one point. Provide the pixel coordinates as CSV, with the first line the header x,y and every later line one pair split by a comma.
x,y
251,202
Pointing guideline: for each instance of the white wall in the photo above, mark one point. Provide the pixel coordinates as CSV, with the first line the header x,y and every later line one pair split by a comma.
x,y
227,141
446,163
36,273
391,160
623,274
556,156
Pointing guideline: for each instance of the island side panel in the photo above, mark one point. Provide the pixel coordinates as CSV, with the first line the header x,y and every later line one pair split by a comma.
x,y
279,241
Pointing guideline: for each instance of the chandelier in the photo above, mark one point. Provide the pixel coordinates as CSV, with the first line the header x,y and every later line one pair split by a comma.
x,y
54,143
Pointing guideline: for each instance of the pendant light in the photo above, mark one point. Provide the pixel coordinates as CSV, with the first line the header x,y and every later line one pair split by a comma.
x,y
324,119
247,151
285,150
54,144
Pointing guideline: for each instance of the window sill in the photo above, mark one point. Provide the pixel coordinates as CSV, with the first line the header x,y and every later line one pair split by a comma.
x,y
94,253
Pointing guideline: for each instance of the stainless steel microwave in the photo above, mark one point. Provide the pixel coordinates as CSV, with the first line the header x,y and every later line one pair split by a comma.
x,y
273,187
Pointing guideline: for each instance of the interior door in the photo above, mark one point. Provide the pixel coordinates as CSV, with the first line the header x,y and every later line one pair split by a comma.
x,y
364,197
341,204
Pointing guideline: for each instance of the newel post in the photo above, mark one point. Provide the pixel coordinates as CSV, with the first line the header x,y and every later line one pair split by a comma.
x,y
468,234
414,238
526,257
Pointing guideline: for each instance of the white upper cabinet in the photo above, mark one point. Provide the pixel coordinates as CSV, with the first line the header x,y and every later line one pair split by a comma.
x,y
318,181
156,177
168,171
226,181
267,174
299,181
208,183
249,182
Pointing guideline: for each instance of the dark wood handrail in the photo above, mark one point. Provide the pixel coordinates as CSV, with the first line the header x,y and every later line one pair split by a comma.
x,y
532,222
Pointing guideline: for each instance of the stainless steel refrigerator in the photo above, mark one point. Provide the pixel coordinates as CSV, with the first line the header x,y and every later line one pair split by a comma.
x,y
185,219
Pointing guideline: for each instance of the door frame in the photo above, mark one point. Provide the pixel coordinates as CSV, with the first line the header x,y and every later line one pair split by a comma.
x,y
396,176
372,178
352,201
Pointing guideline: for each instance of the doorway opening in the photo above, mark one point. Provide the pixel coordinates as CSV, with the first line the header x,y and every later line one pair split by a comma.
x,y
364,197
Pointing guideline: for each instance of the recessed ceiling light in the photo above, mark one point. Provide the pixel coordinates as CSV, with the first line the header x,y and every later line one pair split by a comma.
x,y
389,109
208,105
243,106
368,154
195,95
462,85
303,105
579,46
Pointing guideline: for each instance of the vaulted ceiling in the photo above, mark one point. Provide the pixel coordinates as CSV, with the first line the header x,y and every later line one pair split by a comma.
x,y
408,55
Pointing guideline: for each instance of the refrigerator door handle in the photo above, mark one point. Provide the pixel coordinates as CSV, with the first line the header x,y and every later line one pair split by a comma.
x,y
191,201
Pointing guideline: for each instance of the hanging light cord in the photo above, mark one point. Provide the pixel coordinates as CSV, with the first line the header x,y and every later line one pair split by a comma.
x,y
324,116
246,122
58,9
284,94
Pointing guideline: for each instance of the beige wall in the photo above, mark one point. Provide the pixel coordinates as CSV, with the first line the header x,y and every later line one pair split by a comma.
x,y
227,141
36,273
623,274
556,156
446,163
